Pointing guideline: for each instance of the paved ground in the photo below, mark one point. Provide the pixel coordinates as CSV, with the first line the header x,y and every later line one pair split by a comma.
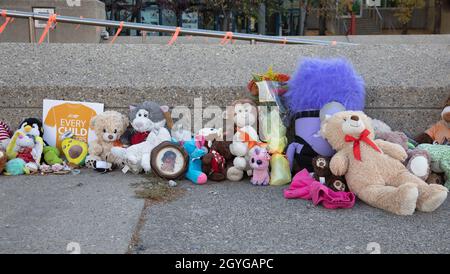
x,y
240,218
43,214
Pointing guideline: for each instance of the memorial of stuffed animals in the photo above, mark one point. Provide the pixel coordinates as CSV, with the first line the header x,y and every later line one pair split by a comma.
x,y
307,132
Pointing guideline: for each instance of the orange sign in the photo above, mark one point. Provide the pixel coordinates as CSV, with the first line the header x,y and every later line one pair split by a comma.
x,y
62,116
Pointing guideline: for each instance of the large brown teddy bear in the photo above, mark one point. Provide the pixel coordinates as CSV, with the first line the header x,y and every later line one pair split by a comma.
x,y
373,168
108,127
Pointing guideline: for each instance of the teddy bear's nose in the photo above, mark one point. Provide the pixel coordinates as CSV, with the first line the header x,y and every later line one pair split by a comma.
x,y
354,118
259,162
110,137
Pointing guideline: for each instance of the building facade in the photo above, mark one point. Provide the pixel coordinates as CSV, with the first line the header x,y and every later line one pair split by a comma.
x,y
276,17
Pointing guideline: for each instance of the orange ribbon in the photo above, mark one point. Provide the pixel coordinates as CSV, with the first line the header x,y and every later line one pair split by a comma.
x,y
250,141
119,30
227,38
8,19
51,20
174,37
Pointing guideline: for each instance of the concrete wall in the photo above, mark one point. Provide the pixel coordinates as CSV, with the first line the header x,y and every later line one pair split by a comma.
x,y
406,84
19,31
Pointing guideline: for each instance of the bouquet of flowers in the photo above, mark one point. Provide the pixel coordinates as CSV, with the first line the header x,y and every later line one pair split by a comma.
x,y
272,76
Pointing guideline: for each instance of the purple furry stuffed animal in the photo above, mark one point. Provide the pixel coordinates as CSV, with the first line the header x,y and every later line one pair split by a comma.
x,y
259,162
316,83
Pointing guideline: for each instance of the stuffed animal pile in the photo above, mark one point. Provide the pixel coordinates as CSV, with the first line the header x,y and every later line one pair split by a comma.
x,y
336,152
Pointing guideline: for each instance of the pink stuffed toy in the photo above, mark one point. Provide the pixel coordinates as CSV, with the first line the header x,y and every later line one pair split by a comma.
x,y
259,162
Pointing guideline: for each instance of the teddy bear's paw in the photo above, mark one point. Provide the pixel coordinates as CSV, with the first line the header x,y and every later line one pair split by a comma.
x,y
432,198
234,174
407,198
91,161
419,166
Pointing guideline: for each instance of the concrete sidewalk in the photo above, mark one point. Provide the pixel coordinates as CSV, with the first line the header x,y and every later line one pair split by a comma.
x,y
42,214
231,217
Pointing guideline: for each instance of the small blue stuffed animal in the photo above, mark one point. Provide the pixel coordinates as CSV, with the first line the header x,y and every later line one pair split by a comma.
x,y
16,167
194,172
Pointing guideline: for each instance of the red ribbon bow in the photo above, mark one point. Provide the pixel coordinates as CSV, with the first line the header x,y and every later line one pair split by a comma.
x,y
357,143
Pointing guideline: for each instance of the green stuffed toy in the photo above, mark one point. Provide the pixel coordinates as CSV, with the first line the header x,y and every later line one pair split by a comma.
x,y
51,155
440,159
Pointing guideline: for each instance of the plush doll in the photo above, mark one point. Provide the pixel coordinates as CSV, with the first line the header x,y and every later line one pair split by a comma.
x,y
3,160
143,118
16,167
108,127
74,150
373,169
208,135
33,127
52,156
244,114
322,173
440,159
259,162
440,132
26,147
137,157
316,83
195,152
5,135
215,163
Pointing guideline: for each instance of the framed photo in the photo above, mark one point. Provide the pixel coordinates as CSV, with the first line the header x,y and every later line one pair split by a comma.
x,y
169,161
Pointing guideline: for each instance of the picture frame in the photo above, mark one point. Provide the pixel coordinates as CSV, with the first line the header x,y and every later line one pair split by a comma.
x,y
169,160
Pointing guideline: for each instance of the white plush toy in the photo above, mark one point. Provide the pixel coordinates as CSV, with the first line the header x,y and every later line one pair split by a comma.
x,y
245,139
137,156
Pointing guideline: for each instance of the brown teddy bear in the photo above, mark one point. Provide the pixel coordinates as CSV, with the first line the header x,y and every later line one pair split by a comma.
x,y
3,160
108,127
373,168
322,173
439,132
215,163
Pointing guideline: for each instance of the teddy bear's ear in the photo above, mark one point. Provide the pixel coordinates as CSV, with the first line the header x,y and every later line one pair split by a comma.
x,y
164,108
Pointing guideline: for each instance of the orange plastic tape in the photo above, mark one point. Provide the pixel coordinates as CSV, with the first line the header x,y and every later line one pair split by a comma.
x,y
227,38
119,30
174,37
78,26
7,20
51,20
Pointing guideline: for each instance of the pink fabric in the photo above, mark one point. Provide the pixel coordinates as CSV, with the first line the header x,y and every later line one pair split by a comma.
x,y
303,186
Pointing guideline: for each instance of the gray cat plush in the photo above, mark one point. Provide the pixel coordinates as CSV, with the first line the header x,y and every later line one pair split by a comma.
x,y
144,118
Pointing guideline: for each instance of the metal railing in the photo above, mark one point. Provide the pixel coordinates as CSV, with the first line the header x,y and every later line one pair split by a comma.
x,y
379,19
167,29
